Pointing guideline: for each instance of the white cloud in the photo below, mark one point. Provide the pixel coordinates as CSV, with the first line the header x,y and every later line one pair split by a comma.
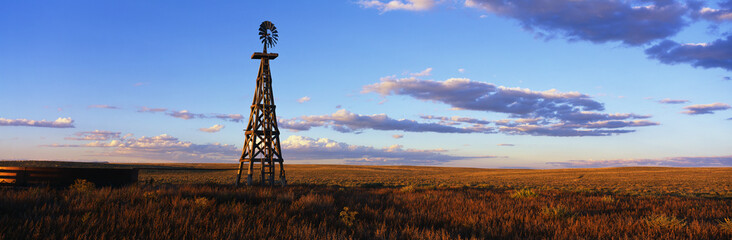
x,y
303,99
397,136
424,73
408,5
212,129
58,123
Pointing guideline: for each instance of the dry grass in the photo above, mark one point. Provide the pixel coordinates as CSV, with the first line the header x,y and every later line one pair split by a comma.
x,y
354,202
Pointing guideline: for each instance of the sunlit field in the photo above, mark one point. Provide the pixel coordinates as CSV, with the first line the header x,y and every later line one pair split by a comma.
x,y
198,201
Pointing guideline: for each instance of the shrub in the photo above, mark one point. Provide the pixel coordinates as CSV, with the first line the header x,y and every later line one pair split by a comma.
x,y
608,199
664,221
558,211
725,225
524,193
348,217
203,202
409,188
82,185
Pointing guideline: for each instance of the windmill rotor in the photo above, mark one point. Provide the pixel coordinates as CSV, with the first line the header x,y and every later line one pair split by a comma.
x,y
268,34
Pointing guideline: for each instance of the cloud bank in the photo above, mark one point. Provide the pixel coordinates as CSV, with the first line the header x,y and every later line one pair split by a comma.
x,y
716,161
346,122
630,22
305,148
541,113
161,148
716,54
58,123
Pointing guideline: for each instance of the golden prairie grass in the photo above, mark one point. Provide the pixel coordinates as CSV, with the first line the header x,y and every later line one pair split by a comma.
x,y
383,202
206,211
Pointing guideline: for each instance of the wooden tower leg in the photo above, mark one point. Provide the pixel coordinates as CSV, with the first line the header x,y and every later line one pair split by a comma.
x,y
238,174
283,181
249,173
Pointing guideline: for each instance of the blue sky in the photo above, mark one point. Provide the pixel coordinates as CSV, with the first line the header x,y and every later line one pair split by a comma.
x,y
477,83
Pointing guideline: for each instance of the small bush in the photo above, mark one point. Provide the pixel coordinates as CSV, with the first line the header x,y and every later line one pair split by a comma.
x,y
608,199
203,202
663,221
82,185
524,193
409,188
348,217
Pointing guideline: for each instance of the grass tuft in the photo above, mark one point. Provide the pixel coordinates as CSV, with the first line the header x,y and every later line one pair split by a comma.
x,y
524,193
664,221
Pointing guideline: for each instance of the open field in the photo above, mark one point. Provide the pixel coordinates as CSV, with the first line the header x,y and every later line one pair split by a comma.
x,y
384,202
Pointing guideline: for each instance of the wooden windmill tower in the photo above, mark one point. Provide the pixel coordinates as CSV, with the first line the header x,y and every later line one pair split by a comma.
x,y
262,144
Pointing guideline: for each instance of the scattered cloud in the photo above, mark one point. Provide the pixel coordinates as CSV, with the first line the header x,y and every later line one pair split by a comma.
x,y
727,78
673,101
705,108
305,148
184,114
303,99
717,54
58,123
505,145
408,5
397,136
426,72
718,161
543,113
161,148
96,135
716,15
103,106
594,21
152,110
228,117
212,129
345,121
461,70
455,119
140,84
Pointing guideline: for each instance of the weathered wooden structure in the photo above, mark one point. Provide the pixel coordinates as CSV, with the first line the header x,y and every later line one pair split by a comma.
x,y
63,177
262,142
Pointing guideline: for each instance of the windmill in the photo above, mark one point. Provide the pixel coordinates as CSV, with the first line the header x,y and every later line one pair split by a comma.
x,y
262,142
